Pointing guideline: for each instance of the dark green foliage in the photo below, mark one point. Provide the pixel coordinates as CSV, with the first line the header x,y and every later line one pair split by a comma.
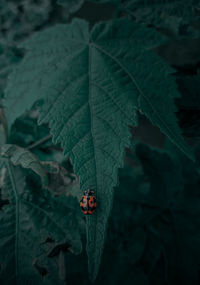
x,y
115,63
31,217
170,14
8,56
25,131
19,18
93,87
174,226
155,238
175,17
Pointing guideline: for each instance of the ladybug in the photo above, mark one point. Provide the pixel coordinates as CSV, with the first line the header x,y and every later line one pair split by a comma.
x,y
88,202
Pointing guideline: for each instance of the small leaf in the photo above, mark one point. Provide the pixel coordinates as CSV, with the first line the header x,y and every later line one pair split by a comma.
x,y
26,159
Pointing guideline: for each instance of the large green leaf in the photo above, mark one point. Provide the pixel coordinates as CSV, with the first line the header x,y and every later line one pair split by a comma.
x,y
92,84
28,219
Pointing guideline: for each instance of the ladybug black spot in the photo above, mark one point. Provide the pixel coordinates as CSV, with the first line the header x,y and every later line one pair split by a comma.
x,y
88,202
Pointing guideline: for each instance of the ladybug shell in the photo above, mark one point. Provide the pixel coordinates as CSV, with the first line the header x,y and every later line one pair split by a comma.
x,y
88,203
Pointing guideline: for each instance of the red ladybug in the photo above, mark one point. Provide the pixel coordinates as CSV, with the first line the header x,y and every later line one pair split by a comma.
x,y
88,202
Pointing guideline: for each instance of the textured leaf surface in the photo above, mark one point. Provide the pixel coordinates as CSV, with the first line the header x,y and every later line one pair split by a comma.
x,y
27,221
26,159
92,84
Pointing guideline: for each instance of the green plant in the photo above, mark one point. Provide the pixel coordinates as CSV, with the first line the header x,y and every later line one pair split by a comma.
x,y
68,107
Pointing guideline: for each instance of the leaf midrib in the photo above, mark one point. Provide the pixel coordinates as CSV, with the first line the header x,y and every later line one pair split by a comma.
x,y
17,215
90,105
13,183
93,138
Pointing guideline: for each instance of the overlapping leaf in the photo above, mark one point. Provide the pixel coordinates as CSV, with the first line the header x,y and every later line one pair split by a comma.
x,y
92,84
26,159
28,219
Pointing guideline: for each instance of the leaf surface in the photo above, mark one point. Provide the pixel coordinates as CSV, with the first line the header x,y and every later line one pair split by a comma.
x,y
29,218
92,84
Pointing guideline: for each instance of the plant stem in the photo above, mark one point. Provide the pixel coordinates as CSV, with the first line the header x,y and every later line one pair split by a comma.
x,y
41,141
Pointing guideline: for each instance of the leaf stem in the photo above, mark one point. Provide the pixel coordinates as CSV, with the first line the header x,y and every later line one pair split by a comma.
x,y
41,141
